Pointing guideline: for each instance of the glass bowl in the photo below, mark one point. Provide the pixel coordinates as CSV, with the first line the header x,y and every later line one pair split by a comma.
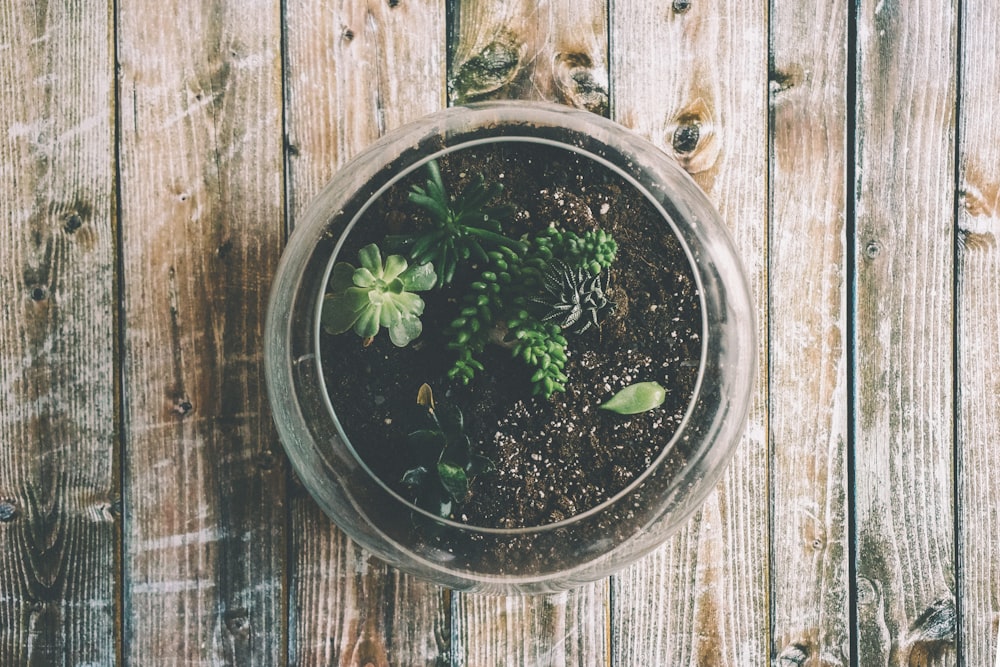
x,y
581,547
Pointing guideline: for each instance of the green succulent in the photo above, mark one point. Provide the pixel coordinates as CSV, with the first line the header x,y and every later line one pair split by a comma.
x,y
376,295
463,228
594,250
574,297
448,463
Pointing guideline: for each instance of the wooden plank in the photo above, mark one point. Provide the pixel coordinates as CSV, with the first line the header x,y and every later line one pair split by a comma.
x,y
57,394
807,262
550,50
978,307
201,216
906,55
557,52
355,70
568,628
692,77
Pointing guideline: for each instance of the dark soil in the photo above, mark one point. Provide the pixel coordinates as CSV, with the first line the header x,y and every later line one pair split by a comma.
x,y
554,457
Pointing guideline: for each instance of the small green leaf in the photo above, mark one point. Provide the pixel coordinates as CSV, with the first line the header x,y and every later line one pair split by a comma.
x,y
454,480
367,324
394,266
419,278
342,277
371,259
404,330
636,398
341,312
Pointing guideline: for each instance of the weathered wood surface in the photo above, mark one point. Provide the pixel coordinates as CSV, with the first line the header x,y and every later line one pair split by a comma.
x,y
904,362
530,50
353,71
57,335
978,338
201,224
692,77
231,114
807,267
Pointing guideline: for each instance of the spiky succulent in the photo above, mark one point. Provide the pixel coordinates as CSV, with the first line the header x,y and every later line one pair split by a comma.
x,y
463,228
574,299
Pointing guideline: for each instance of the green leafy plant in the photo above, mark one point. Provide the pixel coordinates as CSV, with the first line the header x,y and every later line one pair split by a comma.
x,y
574,297
462,228
448,462
376,295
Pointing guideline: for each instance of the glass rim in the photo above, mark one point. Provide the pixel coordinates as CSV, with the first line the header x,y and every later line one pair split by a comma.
x,y
704,347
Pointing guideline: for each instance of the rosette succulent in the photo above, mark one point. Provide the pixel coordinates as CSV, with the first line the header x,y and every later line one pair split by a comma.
x,y
463,228
574,298
376,295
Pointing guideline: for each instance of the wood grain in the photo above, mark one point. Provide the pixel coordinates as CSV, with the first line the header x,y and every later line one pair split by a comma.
x,y
557,52
906,55
978,341
692,77
201,216
57,311
549,50
569,628
354,70
807,264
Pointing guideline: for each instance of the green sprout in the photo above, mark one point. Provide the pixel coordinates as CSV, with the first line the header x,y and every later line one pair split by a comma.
x,y
376,295
463,228
449,464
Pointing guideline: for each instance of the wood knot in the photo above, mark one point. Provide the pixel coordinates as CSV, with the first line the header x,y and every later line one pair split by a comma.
x,y
693,139
488,71
38,293
8,510
781,80
73,222
183,407
238,622
681,6
266,459
867,594
793,655
686,136
580,84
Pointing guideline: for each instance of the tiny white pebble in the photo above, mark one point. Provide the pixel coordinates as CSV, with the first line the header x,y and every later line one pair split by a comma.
x,y
605,207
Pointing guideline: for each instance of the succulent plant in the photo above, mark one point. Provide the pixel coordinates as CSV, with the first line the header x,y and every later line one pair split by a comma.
x,y
448,463
462,228
376,295
636,398
574,298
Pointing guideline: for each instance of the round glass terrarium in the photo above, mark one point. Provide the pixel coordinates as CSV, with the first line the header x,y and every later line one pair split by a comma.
x,y
317,384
